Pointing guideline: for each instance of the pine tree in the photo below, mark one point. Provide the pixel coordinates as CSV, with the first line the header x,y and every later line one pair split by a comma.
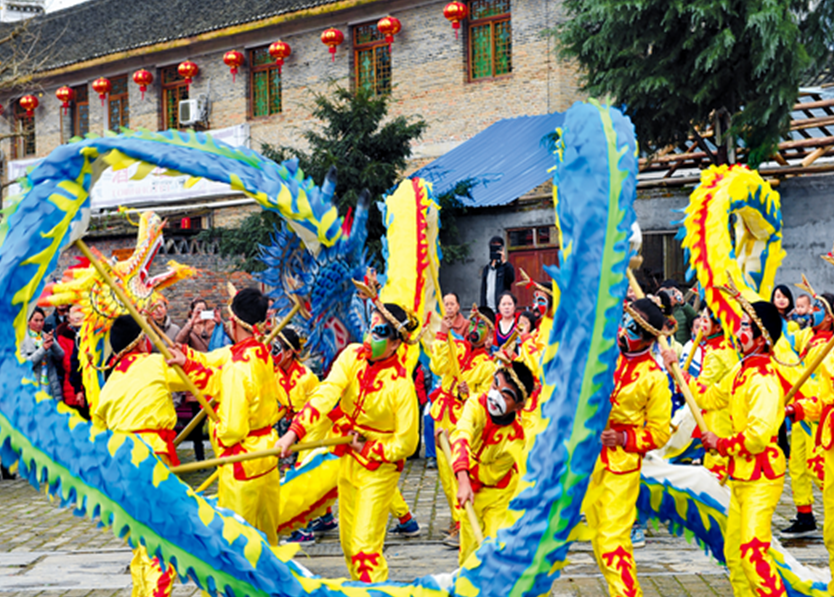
x,y
676,66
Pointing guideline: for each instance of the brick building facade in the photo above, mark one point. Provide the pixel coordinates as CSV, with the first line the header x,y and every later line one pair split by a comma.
x,y
450,82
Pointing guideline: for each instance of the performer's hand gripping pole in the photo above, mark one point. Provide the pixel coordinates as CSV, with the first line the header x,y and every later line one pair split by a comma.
x,y
470,510
809,371
149,331
675,368
196,466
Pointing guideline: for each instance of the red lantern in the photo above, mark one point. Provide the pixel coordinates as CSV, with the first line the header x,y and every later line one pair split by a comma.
x,y
280,50
142,78
65,95
455,12
185,224
188,70
29,103
389,27
332,38
233,60
102,86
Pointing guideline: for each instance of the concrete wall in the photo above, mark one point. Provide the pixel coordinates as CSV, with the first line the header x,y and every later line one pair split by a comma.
x,y
477,228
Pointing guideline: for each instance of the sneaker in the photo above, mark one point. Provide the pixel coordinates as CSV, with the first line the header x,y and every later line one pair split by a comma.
x,y
431,463
409,529
638,537
803,525
324,524
453,539
300,537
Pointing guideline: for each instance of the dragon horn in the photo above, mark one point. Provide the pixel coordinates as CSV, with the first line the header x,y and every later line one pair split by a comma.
x,y
231,289
829,257
806,285
527,282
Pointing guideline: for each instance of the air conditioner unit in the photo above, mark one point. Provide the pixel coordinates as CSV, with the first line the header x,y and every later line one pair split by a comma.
x,y
192,111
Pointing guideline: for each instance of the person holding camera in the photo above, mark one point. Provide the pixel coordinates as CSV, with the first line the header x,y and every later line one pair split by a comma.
x,y
498,275
45,354
197,331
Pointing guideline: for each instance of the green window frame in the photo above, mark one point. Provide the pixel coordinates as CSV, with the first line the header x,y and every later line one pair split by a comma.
x,y
265,84
371,59
489,36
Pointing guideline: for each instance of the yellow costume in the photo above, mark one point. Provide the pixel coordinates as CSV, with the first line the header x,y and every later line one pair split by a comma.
x,y
753,394
641,407
477,369
248,411
137,399
298,383
489,453
378,401
719,359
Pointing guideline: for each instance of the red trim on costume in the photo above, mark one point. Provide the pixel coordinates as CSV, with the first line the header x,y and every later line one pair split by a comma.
x,y
302,518
365,563
771,583
827,411
625,565
168,436
240,351
240,473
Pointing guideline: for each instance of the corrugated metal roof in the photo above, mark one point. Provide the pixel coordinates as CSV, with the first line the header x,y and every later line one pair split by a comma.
x,y
507,160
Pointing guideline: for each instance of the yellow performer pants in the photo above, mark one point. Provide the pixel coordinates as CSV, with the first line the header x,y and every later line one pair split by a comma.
x,y
610,511
257,500
802,478
490,505
748,535
148,578
364,502
398,506
447,480
828,501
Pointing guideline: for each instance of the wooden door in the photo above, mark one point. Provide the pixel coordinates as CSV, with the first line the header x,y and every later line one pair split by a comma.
x,y
531,261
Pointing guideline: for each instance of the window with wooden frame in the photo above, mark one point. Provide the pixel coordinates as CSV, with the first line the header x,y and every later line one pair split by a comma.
x,y
80,109
265,84
174,90
371,59
532,249
24,144
118,111
663,256
489,37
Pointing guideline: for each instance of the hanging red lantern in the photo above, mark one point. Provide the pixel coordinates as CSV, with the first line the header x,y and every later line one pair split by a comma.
x,y
389,27
233,60
185,224
333,39
188,70
65,95
142,78
102,86
280,50
29,103
455,12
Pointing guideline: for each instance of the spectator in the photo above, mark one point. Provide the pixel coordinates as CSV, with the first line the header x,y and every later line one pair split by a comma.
x,y
197,331
507,321
498,275
782,298
451,304
45,354
159,313
683,312
73,386
57,317
527,324
802,311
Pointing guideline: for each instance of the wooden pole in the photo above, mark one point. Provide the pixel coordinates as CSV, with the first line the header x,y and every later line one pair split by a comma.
x,y
205,484
675,368
149,331
470,510
196,466
284,323
691,356
809,370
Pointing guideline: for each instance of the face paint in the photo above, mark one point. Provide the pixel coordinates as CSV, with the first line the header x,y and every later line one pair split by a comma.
x,y
496,404
817,314
375,347
477,332
745,336
541,303
631,335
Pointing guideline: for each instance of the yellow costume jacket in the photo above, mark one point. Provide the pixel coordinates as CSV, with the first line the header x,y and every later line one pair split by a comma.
x,y
489,452
530,353
298,383
476,368
376,399
248,408
641,405
753,394
137,399
719,359
816,392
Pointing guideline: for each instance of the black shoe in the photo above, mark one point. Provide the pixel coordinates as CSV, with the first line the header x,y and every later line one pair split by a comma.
x,y
803,525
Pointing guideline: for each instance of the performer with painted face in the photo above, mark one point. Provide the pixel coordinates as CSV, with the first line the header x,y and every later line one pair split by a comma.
x,y
487,445
753,394
137,399
720,357
639,422
376,396
470,376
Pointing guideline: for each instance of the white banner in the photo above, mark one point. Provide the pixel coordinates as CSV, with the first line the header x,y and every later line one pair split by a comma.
x,y
116,188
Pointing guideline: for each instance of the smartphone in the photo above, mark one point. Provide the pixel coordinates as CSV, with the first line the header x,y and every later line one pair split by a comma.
x,y
207,314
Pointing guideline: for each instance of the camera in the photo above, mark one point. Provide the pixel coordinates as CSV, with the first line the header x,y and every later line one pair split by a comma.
x,y
495,252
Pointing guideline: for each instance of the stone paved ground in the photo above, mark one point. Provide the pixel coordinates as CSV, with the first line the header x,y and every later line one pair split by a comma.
x,y
47,552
